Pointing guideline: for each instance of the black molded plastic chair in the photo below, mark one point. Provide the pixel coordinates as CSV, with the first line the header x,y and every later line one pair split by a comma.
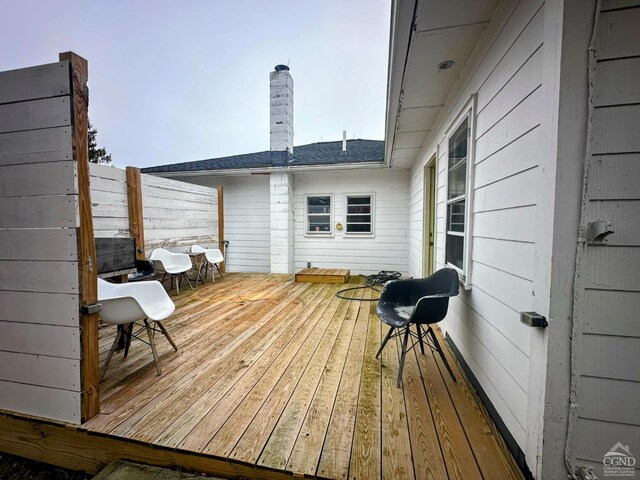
x,y
419,302
144,271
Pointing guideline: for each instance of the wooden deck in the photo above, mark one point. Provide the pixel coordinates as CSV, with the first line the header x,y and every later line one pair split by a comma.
x,y
323,275
281,377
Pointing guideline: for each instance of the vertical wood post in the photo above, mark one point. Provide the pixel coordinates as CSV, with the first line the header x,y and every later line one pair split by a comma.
x,y
134,200
221,226
87,265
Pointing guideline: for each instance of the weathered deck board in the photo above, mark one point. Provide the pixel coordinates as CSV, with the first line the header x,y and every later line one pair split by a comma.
x,y
281,376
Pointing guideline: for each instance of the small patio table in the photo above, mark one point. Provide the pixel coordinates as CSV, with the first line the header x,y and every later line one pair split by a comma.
x,y
197,260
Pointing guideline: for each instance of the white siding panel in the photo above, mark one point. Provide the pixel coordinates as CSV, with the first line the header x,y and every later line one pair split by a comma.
x,y
30,83
506,74
608,399
39,212
41,308
515,258
37,339
39,244
36,114
386,250
612,268
62,405
615,177
608,356
39,331
513,224
600,436
246,221
619,35
47,145
502,391
610,90
62,373
515,191
599,316
46,277
39,179
514,158
615,129
494,342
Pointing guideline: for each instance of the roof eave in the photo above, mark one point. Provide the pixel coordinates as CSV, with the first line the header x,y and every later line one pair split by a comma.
x,y
268,170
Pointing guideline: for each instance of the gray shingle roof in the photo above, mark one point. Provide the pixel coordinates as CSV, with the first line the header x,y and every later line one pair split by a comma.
x,y
321,153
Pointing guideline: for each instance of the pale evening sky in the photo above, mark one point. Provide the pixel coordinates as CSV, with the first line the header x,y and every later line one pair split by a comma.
x,y
175,81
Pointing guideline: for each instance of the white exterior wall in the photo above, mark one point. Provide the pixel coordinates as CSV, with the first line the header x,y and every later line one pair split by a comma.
x,y
506,72
608,297
387,250
247,214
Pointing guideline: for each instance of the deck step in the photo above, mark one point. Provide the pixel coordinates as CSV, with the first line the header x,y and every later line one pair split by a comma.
x,y
323,275
122,470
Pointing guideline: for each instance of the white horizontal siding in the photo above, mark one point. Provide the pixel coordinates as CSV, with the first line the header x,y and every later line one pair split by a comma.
x,y
386,250
246,220
484,322
607,306
39,303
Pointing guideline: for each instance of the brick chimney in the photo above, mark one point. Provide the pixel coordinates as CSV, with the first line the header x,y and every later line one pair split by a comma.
x,y
281,114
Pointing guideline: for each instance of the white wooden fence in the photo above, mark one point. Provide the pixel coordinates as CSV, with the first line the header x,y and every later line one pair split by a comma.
x,y
176,214
39,298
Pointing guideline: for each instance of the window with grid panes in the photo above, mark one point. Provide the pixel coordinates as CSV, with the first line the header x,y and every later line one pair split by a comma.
x,y
359,214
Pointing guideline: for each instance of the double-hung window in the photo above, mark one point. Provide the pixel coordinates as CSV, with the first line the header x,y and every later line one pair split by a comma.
x,y
319,213
457,204
359,214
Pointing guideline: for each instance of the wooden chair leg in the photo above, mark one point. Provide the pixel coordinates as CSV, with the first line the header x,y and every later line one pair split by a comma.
x,y
128,332
402,355
153,346
166,334
184,274
110,354
219,271
177,283
384,342
439,348
420,337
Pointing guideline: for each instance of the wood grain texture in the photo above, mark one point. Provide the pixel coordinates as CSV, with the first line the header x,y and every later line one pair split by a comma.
x,y
221,238
88,279
134,202
323,275
280,377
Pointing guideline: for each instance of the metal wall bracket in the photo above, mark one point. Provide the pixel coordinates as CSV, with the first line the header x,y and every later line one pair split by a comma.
x,y
90,309
597,231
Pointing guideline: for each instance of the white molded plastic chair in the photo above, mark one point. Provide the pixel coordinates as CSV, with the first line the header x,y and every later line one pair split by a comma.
x,y
172,265
214,258
125,303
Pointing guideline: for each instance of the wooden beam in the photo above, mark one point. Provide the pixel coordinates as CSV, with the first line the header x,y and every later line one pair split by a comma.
x,y
221,226
136,220
77,449
88,271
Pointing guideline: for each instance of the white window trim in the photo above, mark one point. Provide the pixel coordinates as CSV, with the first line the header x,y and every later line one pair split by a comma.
x,y
468,111
332,207
373,215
